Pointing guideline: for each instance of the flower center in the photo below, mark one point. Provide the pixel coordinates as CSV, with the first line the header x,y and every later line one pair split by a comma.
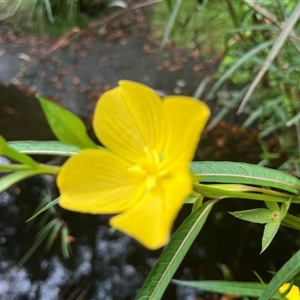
x,y
152,168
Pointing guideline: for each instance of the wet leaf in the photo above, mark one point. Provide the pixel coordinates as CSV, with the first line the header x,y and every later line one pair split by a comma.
x,y
270,231
257,215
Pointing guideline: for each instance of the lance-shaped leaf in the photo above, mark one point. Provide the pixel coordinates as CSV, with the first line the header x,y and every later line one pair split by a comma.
x,y
44,148
66,126
273,225
270,231
11,153
243,173
273,206
256,215
246,289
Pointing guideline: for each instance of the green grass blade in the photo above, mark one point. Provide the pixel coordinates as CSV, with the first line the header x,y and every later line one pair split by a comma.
x,y
170,25
53,234
237,64
49,10
65,245
45,208
44,148
242,173
40,238
290,269
161,274
246,289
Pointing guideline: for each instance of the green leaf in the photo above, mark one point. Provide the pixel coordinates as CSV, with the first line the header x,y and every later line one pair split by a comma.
x,y
290,269
198,202
173,254
9,180
246,289
291,222
256,215
272,206
270,230
11,153
284,209
273,225
242,173
66,126
44,148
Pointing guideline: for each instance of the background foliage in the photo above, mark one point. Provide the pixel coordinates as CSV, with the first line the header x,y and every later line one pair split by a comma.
x,y
242,34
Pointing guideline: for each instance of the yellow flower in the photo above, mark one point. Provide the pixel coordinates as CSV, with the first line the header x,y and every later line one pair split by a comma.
x,y
293,294
143,174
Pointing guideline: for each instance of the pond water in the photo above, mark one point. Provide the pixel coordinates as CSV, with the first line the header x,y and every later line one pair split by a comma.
x,y
107,264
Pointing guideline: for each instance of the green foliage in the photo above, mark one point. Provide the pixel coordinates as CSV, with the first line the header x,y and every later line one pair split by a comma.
x,y
194,24
54,16
272,217
244,32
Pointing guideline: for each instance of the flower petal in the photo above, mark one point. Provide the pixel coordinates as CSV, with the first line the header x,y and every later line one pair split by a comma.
x,y
151,219
130,118
293,294
98,181
186,118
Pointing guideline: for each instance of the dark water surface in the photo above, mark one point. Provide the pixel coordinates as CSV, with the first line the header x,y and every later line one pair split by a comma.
x,y
107,264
